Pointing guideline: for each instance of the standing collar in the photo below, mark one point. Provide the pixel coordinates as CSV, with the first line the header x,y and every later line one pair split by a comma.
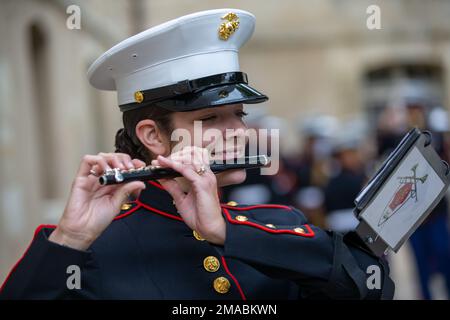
x,y
155,198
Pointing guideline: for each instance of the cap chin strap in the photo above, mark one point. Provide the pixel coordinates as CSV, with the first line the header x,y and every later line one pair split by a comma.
x,y
185,86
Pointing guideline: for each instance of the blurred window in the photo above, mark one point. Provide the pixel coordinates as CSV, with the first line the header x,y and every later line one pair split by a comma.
x,y
402,85
40,72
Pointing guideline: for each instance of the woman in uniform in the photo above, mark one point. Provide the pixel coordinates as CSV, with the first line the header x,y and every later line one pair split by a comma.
x,y
172,238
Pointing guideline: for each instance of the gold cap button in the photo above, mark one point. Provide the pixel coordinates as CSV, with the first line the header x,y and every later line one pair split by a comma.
x,y
223,94
211,264
138,96
125,206
270,226
198,236
232,203
299,230
222,285
241,218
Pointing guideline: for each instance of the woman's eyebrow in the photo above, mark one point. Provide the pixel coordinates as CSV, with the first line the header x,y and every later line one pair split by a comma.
x,y
206,114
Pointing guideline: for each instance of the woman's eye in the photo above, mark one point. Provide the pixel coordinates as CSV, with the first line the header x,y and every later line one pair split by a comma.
x,y
242,114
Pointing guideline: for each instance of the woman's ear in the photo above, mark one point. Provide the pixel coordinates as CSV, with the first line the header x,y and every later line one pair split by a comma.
x,y
151,137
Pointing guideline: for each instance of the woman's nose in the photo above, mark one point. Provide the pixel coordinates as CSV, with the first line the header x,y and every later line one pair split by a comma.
x,y
234,129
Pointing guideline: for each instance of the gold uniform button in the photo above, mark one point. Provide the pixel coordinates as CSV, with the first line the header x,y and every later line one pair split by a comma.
x,y
222,285
198,236
126,206
299,230
211,264
270,226
232,203
241,218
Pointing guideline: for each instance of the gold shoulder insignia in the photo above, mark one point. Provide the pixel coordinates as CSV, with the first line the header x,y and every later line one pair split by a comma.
x,y
126,209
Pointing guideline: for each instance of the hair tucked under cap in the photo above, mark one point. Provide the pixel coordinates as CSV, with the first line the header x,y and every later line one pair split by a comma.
x,y
126,139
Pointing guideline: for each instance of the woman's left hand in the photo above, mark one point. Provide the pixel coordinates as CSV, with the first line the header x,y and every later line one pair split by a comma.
x,y
199,205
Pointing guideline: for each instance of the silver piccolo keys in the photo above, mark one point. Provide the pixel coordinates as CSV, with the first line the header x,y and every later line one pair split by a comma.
x,y
116,176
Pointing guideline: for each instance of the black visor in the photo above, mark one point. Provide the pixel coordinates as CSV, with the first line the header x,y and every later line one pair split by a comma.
x,y
211,91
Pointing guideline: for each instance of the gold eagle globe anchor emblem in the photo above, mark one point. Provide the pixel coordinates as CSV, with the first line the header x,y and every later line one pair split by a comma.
x,y
228,27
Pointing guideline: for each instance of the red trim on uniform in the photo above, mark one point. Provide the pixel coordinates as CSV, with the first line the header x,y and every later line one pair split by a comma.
x,y
257,206
166,214
38,229
241,292
156,184
123,215
43,226
309,234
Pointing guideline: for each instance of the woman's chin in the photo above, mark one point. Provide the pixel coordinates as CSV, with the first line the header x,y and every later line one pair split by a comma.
x,y
231,177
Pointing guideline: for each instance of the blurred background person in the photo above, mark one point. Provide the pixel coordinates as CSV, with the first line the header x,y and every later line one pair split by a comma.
x,y
431,241
312,166
347,179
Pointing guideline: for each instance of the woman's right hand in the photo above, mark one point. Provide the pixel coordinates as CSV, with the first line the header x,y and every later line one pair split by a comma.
x,y
92,207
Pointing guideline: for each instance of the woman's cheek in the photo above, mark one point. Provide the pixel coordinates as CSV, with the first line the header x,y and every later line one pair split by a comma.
x,y
231,177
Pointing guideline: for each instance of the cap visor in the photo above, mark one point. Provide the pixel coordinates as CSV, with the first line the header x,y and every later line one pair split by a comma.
x,y
214,97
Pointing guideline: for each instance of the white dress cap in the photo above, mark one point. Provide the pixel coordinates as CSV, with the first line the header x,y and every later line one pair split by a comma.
x,y
193,46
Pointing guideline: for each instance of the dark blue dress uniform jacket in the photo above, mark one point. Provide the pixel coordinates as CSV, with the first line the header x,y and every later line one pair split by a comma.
x,y
148,252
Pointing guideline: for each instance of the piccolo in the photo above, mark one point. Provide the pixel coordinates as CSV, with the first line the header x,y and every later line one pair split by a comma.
x,y
116,176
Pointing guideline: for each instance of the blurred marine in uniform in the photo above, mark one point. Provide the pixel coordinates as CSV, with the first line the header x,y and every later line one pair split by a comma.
x,y
347,179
